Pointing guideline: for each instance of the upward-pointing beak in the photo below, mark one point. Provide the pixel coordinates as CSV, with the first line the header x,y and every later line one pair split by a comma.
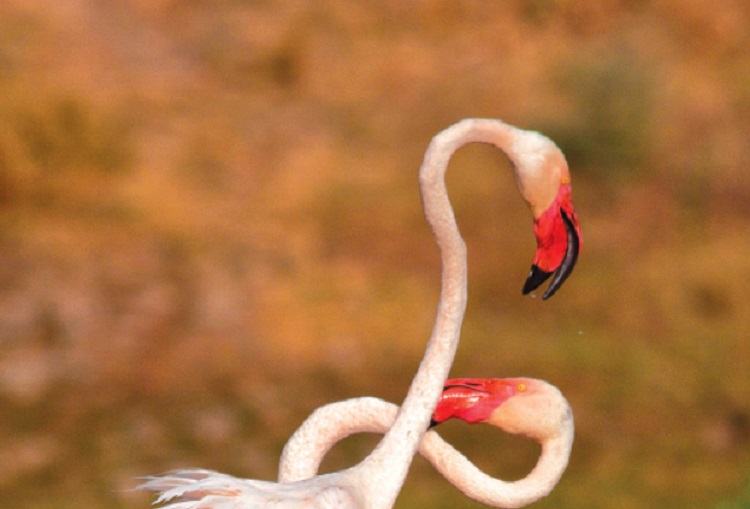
x,y
558,244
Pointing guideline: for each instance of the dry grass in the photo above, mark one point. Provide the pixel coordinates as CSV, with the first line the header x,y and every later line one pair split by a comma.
x,y
210,226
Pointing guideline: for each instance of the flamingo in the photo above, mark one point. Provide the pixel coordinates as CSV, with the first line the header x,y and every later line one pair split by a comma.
x,y
525,406
542,177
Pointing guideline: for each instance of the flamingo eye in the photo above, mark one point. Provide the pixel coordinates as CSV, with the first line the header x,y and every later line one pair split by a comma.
x,y
521,387
565,180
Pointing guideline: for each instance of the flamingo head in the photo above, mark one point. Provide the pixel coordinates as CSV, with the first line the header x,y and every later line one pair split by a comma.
x,y
524,406
543,179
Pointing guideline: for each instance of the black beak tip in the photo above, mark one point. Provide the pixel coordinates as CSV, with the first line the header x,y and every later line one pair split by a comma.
x,y
536,277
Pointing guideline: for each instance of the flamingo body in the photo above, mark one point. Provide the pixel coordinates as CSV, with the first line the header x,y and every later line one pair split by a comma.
x,y
375,483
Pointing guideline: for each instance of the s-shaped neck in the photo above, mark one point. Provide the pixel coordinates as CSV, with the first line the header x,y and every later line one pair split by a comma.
x,y
386,467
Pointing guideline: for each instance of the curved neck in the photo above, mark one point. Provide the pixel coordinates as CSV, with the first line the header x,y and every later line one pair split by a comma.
x,y
332,423
400,444
479,486
328,425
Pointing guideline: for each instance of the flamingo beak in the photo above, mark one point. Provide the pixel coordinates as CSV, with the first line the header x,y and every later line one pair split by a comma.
x,y
456,399
471,399
558,244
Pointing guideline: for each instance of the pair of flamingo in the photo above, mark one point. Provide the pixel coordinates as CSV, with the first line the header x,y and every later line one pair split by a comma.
x,y
522,406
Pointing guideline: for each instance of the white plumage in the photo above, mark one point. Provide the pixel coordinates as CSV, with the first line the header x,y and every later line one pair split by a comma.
x,y
376,481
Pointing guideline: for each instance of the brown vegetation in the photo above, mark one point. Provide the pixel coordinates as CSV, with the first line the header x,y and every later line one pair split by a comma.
x,y
210,225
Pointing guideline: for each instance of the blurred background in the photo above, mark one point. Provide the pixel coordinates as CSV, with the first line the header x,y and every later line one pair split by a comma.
x,y
210,225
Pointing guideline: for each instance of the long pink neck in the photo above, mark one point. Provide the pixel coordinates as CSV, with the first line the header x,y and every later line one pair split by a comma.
x,y
385,469
479,486
332,423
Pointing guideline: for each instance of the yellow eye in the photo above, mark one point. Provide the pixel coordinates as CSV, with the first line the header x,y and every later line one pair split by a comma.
x,y
565,180
521,387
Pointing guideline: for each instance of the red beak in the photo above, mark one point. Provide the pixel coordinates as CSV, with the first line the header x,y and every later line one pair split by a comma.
x,y
558,238
473,399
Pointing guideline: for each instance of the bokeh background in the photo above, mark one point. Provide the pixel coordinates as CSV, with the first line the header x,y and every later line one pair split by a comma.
x,y
210,225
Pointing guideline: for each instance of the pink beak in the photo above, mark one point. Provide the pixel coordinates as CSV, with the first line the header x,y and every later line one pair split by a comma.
x,y
558,238
472,399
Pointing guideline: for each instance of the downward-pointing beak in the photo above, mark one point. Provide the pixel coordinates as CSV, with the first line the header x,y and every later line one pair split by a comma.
x,y
571,257
537,276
